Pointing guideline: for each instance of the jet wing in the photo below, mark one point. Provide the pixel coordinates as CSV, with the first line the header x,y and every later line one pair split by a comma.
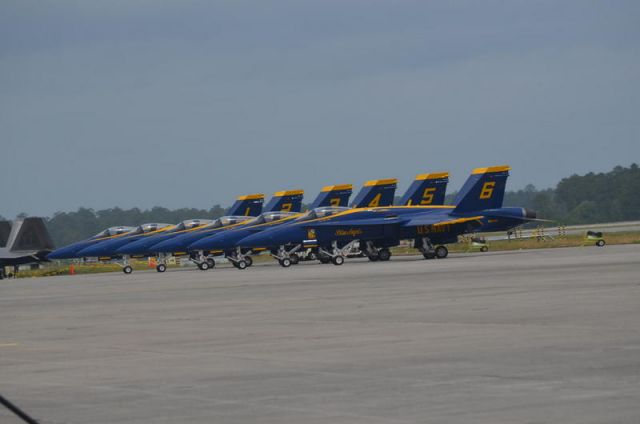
x,y
439,220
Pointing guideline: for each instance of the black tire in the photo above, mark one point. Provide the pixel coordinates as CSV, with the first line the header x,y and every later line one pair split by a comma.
x,y
295,259
127,269
203,266
429,255
161,268
285,262
384,254
337,260
248,260
600,243
311,256
211,262
324,259
241,264
373,258
484,248
441,252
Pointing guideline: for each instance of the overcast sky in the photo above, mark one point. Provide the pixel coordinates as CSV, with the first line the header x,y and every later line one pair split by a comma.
x,y
192,103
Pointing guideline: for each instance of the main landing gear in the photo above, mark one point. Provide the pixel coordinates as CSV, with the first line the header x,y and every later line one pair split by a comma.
x,y
240,260
203,262
430,252
377,254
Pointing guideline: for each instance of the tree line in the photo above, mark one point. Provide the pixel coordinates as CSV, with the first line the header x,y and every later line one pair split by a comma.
x,y
578,199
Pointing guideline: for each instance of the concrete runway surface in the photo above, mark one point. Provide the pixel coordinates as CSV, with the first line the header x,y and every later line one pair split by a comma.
x,y
539,336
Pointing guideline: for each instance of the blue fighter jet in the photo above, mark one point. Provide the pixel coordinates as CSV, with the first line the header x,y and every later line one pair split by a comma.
x,y
71,251
282,202
244,207
426,189
374,194
330,195
477,205
106,250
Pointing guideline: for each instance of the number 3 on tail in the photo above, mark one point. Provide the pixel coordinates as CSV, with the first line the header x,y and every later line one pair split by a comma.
x,y
487,190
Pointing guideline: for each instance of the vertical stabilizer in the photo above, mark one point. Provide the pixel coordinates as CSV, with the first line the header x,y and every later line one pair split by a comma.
x,y
29,234
249,205
426,190
335,195
376,193
285,201
5,231
484,189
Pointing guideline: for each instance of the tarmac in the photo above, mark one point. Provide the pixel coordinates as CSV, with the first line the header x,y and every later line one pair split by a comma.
x,y
538,336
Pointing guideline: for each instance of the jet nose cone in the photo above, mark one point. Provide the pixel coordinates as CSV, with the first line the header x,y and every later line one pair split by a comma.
x,y
57,254
66,252
89,252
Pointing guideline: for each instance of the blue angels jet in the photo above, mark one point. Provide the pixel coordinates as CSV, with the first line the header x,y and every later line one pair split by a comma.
x,y
115,237
282,203
374,193
111,249
478,205
426,189
329,195
71,251
245,207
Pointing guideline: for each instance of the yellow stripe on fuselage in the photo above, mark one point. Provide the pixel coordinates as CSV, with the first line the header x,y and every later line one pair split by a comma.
x,y
457,221
264,224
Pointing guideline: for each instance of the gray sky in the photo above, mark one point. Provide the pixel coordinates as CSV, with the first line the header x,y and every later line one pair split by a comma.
x,y
191,103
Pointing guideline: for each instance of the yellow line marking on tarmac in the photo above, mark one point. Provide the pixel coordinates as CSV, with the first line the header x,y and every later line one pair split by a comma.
x,y
9,344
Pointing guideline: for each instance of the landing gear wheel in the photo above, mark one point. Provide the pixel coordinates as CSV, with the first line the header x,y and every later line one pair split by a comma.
x,y
161,268
127,269
373,257
324,259
600,243
441,252
312,256
203,265
384,254
242,264
294,259
285,262
429,255
337,260
248,260
211,262
484,248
